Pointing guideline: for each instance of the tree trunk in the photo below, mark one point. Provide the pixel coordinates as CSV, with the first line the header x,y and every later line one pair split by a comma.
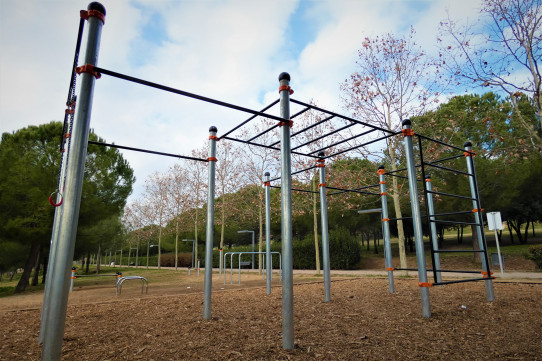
x,y
532,223
475,244
29,264
315,219
510,232
99,258
13,274
375,239
527,231
35,279
88,261
45,269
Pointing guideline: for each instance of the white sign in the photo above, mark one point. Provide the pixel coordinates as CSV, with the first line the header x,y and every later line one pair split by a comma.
x,y
494,221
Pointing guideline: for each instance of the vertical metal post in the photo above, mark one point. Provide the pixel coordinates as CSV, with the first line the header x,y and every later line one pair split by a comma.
x,y
269,262
72,278
433,227
210,225
198,268
416,218
325,231
478,219
220,265
386,228
56,315
286,210
253,250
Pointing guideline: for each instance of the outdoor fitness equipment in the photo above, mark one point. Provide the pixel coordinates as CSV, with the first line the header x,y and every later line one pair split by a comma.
x,y
66,214
74,276
266,263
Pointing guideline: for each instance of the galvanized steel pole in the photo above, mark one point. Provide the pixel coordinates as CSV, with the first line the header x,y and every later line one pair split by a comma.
x,y
208,282
386,228
478,219
416,218
56,315
433,226
286,208
325,231
269,262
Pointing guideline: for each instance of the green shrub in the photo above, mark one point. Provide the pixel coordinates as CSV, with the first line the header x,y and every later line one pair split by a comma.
x,y
535,254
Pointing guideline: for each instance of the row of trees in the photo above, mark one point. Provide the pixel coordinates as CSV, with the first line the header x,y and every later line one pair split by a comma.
x,y
395,79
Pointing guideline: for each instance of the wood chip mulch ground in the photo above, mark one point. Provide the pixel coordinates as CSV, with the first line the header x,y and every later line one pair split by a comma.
x,y
362,322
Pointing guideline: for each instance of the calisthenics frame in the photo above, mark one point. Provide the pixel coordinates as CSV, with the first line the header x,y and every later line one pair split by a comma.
x,y
63,239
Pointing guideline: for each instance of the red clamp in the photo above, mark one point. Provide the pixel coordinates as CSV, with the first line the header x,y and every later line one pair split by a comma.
x,y
70,111
289,123
390,269
212,159
286,87
408,132
321,185
381,171
470,153
383,194
88,68
87,14
321,163
267,184
385,219
382,182
425,284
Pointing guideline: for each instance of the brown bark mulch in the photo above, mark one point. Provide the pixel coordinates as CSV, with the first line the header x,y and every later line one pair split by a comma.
x,y
363,321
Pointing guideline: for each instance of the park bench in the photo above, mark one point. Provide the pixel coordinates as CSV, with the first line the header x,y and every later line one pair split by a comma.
x,y
245,263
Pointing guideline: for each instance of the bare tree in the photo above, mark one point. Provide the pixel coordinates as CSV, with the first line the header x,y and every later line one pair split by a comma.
x,y
157,190
501,50
394,80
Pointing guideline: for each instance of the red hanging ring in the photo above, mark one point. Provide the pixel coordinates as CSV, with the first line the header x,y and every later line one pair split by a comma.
x,y
51,200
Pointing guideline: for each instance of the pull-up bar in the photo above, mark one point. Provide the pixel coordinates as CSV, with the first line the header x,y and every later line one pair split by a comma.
x,y
146,151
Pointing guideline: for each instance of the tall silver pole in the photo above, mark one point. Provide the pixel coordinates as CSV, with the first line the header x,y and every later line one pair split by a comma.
x,y
252,249
416,218
210,226
269,261
286,208
386,228
433,226
56,315
478,219
53,249
325,231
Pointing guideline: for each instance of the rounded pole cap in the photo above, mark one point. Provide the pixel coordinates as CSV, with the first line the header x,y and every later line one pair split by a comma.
x,y
428,176
381,166
96,6
468,143
213,129
267,174
406,122
284,76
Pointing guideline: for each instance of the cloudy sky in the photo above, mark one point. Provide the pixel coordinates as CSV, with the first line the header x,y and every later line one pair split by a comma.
x,y
229,50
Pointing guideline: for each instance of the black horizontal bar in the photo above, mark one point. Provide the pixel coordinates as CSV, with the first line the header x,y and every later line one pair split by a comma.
x,y
399,176
449,213
451,195
395,171
307,128
445,144
399,219
438,270
323,136
146,151
342,116
296,172
251,143
276,126
352,190
445,159
462,281
361,145
453,222
448,169
344,140
249,119
297,189
185,93
459,251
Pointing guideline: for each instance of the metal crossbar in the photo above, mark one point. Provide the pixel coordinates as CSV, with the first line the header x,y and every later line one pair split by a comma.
x,y
146,151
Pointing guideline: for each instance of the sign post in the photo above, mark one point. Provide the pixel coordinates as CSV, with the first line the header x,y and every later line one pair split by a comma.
x,y
494,222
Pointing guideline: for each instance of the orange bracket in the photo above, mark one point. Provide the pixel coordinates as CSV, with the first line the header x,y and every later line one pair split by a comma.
x,y
67,135
214,137
383,194
407,132
425,284
70,111
477,210
286,87
88,68
382,182
470,153
381,171
385,219
212,159
321,185
87,14
267,184
289,123
390,269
